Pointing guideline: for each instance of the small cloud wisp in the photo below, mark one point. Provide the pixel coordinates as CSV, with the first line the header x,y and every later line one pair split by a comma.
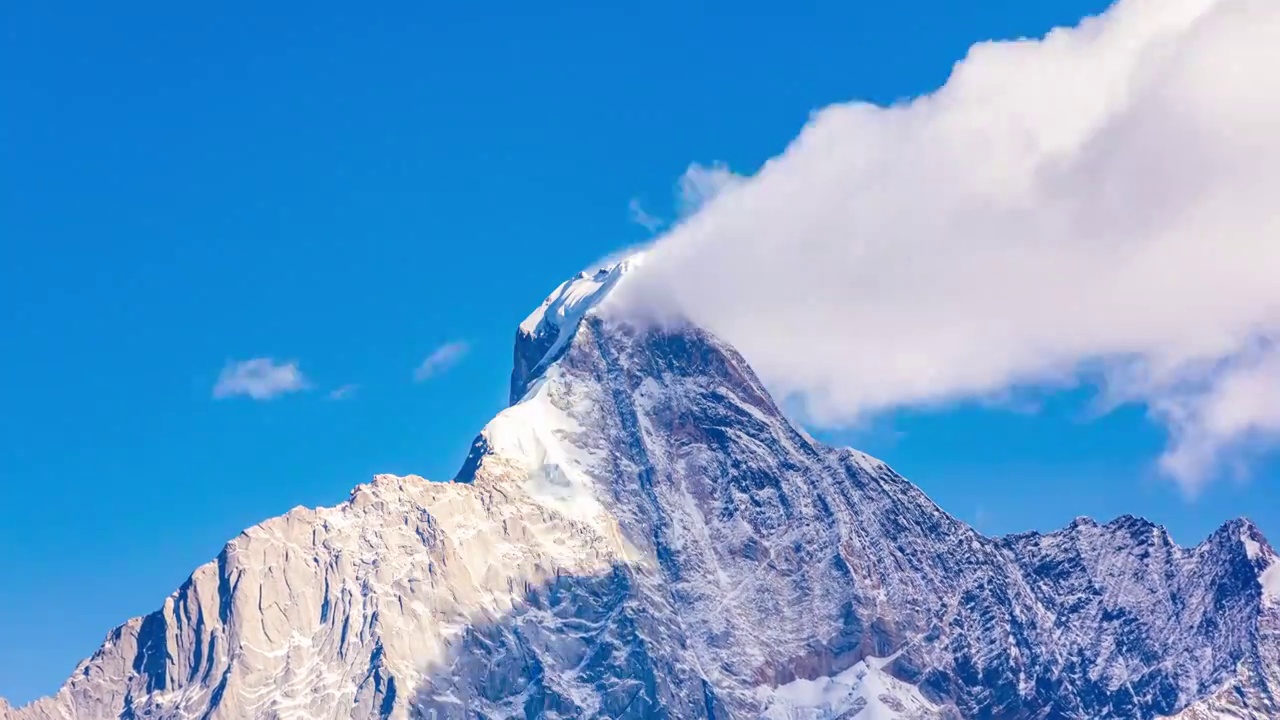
x,y
259,379
440,360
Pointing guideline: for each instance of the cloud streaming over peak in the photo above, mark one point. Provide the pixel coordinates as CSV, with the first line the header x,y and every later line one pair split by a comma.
x,y
1098,204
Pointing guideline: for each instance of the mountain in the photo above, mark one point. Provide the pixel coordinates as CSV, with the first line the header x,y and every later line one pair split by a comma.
x,y
642,533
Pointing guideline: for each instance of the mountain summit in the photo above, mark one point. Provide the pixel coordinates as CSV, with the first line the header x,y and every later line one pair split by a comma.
x,y
642,533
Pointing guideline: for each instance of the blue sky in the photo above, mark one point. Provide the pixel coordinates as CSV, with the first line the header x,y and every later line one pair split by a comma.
x,y
354,190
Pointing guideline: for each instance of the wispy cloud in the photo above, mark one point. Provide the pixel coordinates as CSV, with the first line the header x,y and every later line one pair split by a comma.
x,y
441,359
641,217
346,392
260,379
700,184
981,520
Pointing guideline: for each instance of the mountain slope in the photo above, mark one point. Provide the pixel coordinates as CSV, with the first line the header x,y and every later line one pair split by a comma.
x,y
643,534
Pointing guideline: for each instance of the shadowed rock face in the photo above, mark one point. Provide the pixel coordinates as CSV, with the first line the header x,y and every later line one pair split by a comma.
x,y
643,534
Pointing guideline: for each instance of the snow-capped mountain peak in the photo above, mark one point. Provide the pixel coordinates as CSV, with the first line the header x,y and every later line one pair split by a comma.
x,y
642,533
548,329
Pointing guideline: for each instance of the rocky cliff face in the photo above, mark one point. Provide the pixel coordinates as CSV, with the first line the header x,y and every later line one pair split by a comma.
x,y
643,534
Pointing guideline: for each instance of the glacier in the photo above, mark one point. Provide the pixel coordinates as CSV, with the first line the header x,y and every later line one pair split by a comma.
x,y
642,533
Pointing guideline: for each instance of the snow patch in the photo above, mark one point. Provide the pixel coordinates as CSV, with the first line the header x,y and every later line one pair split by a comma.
x,y
535,436
1251,547
863,692
1270,581
866,462
568,304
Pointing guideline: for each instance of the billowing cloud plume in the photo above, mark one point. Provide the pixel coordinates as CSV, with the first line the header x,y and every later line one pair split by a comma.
x,y
260,379
1101,204
440,360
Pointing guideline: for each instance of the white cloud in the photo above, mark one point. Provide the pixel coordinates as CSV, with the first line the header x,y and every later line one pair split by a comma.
x,y
344,392
1101,202
260,379
440,360
641,217
1237,406
700,184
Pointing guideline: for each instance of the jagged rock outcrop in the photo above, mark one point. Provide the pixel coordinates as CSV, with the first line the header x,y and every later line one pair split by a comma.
x,y
643,534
